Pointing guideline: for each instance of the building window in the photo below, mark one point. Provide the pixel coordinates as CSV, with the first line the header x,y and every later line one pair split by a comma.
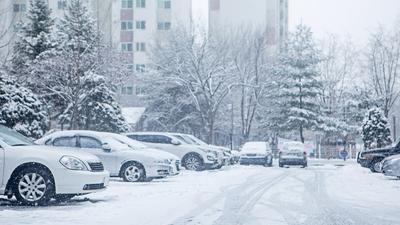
x,y
164,4
128,90
140,68
164,25
61,4
214,5
140,46
127,4
130,67
19,7
126,47
139,91
127,25
140,3
141,25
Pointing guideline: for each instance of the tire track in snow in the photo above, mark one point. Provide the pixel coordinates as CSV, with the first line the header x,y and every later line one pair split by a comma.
x,y
237,196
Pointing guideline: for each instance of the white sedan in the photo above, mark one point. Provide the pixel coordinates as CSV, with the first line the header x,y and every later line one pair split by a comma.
x,y
35,174
193,157
121,159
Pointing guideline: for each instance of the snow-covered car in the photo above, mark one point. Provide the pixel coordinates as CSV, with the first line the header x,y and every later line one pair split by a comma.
x,y
190,139
175,163
119,158
390,166
193,157
35,174
256,152
293,153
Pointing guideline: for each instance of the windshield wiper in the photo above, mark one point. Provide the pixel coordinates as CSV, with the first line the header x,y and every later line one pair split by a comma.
x,y
14,145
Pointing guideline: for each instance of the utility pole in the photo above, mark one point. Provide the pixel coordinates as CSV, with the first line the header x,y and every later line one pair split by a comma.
x,y
394,128
232,125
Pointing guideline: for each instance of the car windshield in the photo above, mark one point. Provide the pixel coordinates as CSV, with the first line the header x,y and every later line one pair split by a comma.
x,y
130,142
117,144
184,140
13,138
196,140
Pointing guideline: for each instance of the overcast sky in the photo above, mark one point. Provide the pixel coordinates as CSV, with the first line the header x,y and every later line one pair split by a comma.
x,y
353,18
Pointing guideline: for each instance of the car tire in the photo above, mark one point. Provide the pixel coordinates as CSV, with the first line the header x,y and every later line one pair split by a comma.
x,y
373,166
64,197
193,162
133,172
34,186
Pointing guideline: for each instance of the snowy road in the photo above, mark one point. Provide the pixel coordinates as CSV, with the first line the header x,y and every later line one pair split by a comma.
x,y
326,193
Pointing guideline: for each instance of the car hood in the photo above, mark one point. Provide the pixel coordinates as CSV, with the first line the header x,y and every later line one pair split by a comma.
x,y
59,152
159,153
144,153
392,157
220,148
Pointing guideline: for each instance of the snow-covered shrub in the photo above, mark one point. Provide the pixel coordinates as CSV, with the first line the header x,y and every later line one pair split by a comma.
x,y
100,110
375,129
20,109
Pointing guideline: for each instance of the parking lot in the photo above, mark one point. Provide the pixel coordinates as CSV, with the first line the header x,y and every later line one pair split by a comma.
x,y
327,192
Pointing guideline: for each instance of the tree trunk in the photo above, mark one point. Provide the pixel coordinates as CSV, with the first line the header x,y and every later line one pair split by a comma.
x,y
301,134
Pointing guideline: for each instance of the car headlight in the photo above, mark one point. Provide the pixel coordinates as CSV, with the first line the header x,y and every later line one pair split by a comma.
x,y
72,163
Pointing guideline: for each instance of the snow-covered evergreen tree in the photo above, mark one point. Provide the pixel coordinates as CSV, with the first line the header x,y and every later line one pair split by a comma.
x,y
20,109
375,129
35,37
70,80
100,110
297,108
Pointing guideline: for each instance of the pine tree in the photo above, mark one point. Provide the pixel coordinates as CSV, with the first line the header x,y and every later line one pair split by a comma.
x,y
77,31
297,82
375,129
100,110
73,80
35,37
20,109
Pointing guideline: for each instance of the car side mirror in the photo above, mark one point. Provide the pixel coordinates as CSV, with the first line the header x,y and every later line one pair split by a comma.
x,y
175,142
106,147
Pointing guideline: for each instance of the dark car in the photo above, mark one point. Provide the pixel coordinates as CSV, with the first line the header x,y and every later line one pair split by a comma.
x,y
371,158
293,153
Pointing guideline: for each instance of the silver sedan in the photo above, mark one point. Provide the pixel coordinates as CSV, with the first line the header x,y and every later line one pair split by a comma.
x,y
391,166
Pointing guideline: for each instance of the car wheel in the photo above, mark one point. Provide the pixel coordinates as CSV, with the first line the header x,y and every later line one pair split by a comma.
x,y
374,166
34,186
193,162
133,172
63,197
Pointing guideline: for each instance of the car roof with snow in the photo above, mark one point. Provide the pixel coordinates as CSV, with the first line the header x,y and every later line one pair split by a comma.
x,y
97,134
292,145
256,146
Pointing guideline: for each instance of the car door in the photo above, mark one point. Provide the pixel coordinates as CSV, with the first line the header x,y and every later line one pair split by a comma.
x,y
165,143
95,146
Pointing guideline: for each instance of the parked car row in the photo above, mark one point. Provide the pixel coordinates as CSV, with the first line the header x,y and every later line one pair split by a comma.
x,y
64,164
260,153
382,160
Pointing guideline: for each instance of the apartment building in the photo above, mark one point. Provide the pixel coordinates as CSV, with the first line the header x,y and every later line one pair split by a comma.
x,y
271,15
129,26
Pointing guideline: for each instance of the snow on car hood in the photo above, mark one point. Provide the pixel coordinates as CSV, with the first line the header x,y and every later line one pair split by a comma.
x,y
58,152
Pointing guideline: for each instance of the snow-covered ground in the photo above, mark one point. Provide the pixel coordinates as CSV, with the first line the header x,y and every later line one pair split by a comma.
x,y
328,192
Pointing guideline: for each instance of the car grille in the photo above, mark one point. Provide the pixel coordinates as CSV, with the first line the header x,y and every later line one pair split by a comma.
x,y
96,167
251,154
93,186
